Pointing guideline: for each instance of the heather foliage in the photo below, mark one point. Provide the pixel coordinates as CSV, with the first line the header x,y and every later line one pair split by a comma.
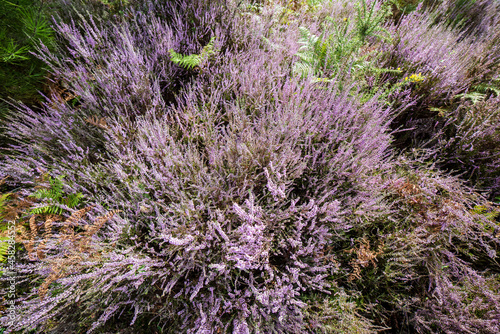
x,y
471,17
230,167
454,66
468,140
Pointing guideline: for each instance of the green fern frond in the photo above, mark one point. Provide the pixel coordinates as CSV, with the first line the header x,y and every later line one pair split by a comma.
x,y
191,61
4,246
208,49
310,42
475,97
3,199
187,62
307,57
369,19
50,209
302,68
41,193
306,37
73,200
311,53
484,88
54,192
55,197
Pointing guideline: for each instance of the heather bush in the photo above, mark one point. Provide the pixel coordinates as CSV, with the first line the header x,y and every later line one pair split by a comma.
x,y
105,87
447,68
439,239
470,17
214,197
468,142
418,47
225,153
224,193
448,65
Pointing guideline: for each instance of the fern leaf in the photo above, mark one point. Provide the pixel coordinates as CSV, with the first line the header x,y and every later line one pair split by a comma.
x,y
187,62
41,193
208,49
57,187
302,69
475,97
483,88
73,200
77,215
3,199
4,246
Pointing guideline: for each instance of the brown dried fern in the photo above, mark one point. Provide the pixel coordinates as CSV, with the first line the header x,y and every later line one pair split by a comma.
x,y
62,267
68,230
92,229
46,236
14,205
409,191
54,275
364,256
31,244
77,215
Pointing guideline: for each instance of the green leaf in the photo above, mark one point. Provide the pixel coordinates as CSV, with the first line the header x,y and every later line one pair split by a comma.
x,y
4,247
12,53
55,197
193,60
36,26
475,97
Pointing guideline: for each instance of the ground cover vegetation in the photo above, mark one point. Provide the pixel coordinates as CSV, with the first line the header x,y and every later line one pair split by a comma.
x,y
219,166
